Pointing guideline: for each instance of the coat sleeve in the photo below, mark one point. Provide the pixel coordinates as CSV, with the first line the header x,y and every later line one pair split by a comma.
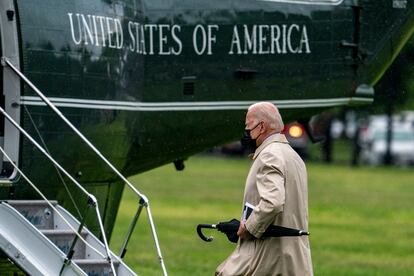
x,y
270,184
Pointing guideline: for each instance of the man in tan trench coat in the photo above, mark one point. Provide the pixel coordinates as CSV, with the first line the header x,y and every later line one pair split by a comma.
x,y
276,190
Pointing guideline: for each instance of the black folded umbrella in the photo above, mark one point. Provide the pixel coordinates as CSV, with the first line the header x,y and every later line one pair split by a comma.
x,y
230,229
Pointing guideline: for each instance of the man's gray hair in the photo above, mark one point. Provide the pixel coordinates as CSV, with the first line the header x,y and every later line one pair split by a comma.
x,y
268,113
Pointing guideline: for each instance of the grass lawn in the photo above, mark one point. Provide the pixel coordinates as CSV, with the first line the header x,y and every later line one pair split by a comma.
x,y
361,219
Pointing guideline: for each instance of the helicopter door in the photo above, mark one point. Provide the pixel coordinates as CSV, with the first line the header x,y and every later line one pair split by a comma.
x,y
2,106
9,90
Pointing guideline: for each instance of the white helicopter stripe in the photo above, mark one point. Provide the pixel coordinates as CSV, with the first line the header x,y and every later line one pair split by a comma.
x,y
308,2
187,106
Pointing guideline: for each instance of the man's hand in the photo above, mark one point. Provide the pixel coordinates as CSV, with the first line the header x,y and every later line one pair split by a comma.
x,y
243,233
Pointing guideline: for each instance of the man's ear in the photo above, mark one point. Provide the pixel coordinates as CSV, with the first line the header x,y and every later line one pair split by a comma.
x,y
263,127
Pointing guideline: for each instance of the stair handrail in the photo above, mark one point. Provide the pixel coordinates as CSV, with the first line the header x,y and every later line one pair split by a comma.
x,y
143,199
91,198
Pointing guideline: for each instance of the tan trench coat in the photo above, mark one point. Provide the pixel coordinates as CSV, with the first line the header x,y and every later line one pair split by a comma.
x,y
277,187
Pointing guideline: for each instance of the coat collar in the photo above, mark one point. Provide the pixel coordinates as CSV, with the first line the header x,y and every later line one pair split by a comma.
x,y
274,138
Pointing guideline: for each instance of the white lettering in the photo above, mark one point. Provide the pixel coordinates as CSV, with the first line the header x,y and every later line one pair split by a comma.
x,y
289,38
142,41
151,27
235,41
119,34
284,39
270,39
304,41
263,39
246,39
211,37
86,30
131,36
203,39
163,39
95,30
176,39
72,29
108,26
250,40
101,22
274,39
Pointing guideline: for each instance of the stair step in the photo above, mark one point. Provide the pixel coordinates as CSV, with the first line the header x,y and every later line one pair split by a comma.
x,y
61,232
31,202
63,240
96,267
27,247
38,212
42,243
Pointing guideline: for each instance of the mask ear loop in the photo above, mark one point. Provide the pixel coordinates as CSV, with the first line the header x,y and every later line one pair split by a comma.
x,y
260,123
250,130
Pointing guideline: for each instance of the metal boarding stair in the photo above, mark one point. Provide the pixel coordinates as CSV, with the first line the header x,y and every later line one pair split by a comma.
x,y
37,239
143,201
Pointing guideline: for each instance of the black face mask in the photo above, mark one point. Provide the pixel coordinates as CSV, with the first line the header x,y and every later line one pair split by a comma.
x,y
248,143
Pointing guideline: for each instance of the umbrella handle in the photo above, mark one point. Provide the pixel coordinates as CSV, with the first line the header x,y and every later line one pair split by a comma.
x,y
200,233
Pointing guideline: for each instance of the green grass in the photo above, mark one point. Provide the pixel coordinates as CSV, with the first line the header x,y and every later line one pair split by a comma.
x,y
361,219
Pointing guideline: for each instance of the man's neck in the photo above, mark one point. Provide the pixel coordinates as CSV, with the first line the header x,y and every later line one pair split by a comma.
x,y
266,136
